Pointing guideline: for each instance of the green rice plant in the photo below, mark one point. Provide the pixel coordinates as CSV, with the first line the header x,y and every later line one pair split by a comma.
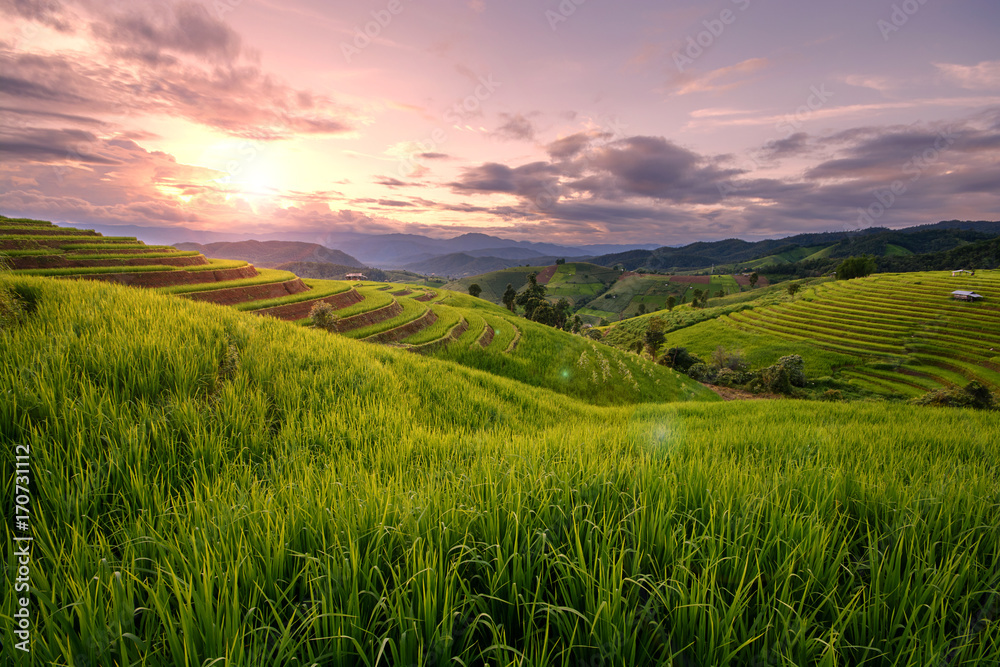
x,y
317,290
447,318
214,488
263,277
411,311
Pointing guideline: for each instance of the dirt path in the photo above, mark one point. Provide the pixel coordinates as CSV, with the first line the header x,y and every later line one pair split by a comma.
x,y
730,394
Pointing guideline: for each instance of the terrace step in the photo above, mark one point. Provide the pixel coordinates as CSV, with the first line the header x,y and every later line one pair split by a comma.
x,y
300,309
399,333
370,317
170,278
233,295
61,262
445,340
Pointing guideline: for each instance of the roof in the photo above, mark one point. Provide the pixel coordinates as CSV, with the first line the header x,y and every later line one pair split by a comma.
x,y
960,292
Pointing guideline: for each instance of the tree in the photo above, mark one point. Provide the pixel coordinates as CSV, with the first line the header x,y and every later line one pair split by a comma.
x,y
654,336
719,294
856,267
531,297
697,297
475,290
509,295
324,317
753,279
642,309
671,302
563,309
577,324
793,288
560,261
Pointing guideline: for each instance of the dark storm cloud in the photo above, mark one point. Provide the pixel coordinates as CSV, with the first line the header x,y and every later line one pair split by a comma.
x,y
796,144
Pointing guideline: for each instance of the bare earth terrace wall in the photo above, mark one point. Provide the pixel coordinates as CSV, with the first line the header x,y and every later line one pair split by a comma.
x,y
297,311
408,329
691,280
47,231
425,297
487,337
234,295
371,317
59,262
171,278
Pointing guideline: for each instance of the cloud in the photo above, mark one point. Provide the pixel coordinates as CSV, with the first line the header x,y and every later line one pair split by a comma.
x,y
515,128
170,59
184,28
985,75
722,79
42,145
47,12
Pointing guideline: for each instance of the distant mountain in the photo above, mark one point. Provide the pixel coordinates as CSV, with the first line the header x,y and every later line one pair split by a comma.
x,y
460,265
875,241
272,253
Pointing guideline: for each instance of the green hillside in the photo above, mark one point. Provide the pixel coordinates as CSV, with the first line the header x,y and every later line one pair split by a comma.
x,y
892,334
208,487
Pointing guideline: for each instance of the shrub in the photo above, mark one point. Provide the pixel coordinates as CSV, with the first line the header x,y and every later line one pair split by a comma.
x,y
678,358
832,395
780,378
701,372
973,395
723,358
727,377
324,316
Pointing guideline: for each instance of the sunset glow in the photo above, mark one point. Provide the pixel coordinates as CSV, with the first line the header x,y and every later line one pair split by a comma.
x,y
561,121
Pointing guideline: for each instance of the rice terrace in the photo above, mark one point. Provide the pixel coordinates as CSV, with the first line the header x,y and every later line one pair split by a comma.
x,y
499,334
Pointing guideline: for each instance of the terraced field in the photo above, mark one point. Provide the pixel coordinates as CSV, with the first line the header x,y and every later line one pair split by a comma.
x,y
900,334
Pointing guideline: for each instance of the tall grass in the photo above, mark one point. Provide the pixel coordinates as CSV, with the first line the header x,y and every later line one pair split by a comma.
x,y
216,489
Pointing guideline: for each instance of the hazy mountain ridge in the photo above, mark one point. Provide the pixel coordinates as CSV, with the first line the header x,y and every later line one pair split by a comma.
x,y
272,253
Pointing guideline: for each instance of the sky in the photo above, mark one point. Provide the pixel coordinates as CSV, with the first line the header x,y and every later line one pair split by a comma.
x,y
566,121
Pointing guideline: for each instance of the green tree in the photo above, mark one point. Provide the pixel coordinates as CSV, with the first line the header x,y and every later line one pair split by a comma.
x,y
475,290
719,294
856,267
577,324
532,297
671,302
560,261
793,288
563,309
654,335
697,297
509,296
753,279
642,309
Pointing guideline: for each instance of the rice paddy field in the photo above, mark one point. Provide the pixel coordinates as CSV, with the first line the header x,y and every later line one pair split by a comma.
x,y
892,334
210,487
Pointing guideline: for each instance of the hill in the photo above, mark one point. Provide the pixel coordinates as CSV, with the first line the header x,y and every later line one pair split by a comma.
x,y
460,264
209,486
896,335
272,253
735,255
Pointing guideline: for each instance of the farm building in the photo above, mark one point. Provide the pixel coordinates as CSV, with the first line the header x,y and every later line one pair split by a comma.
x,y
962,272
963,295
355,276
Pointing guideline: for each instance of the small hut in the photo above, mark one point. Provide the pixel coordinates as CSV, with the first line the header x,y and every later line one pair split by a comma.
x,y
964,295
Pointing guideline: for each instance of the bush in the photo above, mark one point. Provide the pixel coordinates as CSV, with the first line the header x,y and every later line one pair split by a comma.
x,y
832,395
324,316
722,358
780,378
679,359
727,377
701,372
973,395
